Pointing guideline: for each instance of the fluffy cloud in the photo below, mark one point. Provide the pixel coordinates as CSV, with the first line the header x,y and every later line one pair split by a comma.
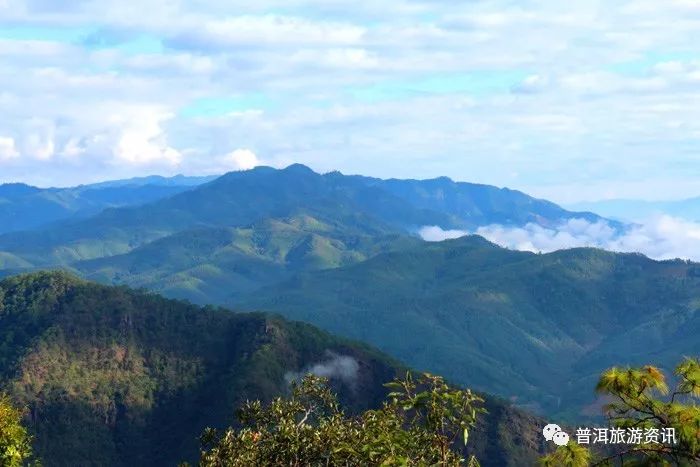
x,y
38,141
433,233
341,367
142,141
7,148
495,91
662,237
240,159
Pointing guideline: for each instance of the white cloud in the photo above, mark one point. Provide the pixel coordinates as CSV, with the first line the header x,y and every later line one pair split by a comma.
x,y
73,148
284,31
240,159
342,367
433,233
142,140
601,92
661,237
8,150
532,84
38,139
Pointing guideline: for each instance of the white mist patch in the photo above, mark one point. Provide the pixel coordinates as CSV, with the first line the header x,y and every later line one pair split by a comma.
x,y
436,234
341,367
660,237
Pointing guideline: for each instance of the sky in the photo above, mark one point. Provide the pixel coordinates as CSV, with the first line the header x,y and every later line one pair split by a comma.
x,y
570,101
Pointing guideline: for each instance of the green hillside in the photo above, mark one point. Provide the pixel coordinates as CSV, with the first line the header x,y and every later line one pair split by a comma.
x,y
245,199
237,199
474,205
116,377
24,207
535,328
217,263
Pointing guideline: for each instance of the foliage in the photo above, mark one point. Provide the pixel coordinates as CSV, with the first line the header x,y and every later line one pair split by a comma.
x,y
494,316
215,264
638,402
15,442
535,327
571,455
115,377
241,199
418,425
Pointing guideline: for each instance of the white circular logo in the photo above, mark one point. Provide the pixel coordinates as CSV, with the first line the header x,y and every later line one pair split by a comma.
x,y
550,430
560,438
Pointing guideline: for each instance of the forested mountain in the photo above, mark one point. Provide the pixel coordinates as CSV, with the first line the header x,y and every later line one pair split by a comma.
x,y
216,264
24,207
115,377
475,205
244,199
157,180
243,238
535,328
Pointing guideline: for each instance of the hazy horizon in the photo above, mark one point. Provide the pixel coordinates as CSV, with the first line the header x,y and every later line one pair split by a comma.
x,y
597,103
569,205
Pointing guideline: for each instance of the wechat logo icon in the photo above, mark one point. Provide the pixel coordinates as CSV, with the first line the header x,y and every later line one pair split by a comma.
x,y
554,433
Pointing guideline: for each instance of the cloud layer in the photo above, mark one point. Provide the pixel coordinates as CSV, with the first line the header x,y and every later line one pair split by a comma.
x,y
662,237
340,367
494,91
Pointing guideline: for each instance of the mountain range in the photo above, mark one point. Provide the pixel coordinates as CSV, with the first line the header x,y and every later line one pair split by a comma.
x,y
110,376
535,328
25,207
342,252
354,206
339,252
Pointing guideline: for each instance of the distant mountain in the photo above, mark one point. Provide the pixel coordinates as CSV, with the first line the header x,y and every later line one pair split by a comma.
x,y
473,205
113,377
24,207
216,264
246,236
242,199
156,180
535,328
637,210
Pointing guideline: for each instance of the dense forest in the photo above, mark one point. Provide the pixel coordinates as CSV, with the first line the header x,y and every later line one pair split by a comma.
x,y
111,376
540,328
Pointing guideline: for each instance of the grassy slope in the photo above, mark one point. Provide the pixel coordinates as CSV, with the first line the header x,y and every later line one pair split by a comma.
x,y
539,327
115,377
217,263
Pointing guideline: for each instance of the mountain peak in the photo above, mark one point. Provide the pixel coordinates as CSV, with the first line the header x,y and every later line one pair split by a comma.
x,y
17,189
299,168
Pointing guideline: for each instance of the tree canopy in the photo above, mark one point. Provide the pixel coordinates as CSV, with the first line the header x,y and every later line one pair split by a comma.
x,y
641,402
15,442
422,422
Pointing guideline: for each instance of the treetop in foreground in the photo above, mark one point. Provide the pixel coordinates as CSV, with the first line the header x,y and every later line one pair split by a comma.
x,y
640,399
422,422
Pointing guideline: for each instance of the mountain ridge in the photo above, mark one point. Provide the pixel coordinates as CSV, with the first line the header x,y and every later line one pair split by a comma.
x,y
239,199
540,327
112,376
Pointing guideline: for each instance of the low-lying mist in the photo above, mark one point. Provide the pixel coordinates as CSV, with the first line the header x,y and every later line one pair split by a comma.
x,y
660,237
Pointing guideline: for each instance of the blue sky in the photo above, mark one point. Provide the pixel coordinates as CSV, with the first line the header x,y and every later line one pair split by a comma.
x,y
572,101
